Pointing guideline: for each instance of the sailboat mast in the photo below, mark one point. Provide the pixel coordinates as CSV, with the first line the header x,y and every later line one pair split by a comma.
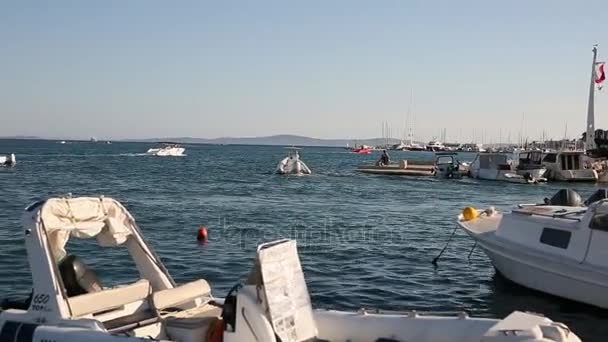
x,y
589,143
410,114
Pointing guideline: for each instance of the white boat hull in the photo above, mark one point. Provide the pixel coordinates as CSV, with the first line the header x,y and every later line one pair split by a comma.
x,y
541,278
541,271
292,166
8,160
505,176
167,152
333,326
534,173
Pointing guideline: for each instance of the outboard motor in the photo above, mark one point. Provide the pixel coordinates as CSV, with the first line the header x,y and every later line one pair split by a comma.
x,y
597,196
565,197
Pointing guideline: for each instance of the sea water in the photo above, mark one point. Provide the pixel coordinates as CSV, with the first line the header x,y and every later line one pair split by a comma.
x,y
364,241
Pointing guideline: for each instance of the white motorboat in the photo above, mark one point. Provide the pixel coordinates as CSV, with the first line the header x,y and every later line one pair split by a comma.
x,y
448,166
569,166
292,165
167,150
497,166
557,248
529,163
435,145
69,304
8,160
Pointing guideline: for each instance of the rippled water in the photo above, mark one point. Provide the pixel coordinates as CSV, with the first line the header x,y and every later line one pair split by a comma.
x,y
364,241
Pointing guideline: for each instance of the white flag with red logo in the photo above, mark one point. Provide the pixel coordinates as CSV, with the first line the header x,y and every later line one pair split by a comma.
x,y
600,74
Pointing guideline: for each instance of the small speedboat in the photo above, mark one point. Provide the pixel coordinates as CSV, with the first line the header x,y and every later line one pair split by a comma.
x,y
447,166
557,247
8,160
362,150
167,150
69,303
292,165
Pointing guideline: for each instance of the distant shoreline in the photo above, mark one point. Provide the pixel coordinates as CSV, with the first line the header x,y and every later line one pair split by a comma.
x,y
275,140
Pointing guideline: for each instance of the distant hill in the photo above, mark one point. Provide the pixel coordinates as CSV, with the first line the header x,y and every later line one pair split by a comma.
x,y
283,139
280,140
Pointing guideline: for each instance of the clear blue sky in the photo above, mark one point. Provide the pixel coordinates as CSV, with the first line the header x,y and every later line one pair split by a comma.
x,y
329,69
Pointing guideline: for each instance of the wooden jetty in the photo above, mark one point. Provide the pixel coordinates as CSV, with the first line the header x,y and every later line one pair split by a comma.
x,y
404,168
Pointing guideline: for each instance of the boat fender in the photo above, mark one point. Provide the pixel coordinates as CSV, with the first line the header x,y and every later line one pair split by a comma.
x,y
469,213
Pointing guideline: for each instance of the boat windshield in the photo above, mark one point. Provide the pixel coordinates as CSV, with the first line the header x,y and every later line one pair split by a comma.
x,y
599,221
492,161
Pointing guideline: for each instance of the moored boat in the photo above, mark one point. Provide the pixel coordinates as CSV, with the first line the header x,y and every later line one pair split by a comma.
x,y
448,166
69,303
558,247
529,162
497,166
569,166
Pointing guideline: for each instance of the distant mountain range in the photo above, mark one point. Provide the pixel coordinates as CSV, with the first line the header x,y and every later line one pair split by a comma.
x,y
283,139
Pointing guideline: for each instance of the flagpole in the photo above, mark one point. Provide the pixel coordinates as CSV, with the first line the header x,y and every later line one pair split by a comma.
x,y
589,142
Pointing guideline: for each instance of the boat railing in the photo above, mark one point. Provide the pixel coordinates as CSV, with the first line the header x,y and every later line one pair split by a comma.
x,y
414,313
562,215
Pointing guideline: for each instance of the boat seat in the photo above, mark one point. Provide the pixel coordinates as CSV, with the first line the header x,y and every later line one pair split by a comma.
x,y
109,299
191,324
176,296
77,277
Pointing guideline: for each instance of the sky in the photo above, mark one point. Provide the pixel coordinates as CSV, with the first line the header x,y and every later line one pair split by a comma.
x,y
327,69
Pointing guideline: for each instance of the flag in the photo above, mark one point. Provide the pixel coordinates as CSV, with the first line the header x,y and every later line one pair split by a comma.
x,y
600,75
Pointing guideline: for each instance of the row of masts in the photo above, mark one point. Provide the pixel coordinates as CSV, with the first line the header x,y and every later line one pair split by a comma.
x,y
408,136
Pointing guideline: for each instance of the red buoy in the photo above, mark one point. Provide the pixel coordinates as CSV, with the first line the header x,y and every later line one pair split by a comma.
x,y
201,234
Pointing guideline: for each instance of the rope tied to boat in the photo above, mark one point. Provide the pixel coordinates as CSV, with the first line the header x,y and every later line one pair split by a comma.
x,y
434,262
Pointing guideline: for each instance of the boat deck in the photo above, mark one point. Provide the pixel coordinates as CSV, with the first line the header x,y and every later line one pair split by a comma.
x,y
404,168
482,224
569,213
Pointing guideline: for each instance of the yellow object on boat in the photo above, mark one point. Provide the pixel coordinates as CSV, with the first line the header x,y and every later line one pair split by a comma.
x,y
469,213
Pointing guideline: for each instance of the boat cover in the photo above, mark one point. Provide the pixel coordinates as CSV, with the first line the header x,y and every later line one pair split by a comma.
x,y
85,217
289,304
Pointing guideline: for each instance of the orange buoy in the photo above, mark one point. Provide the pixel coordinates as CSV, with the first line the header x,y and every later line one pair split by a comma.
x,y
201,234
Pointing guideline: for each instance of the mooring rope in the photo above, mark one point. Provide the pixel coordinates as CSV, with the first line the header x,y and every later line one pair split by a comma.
x,y
434,262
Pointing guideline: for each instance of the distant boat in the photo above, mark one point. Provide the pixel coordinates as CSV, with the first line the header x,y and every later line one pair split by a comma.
x,y
568,166
435,145
497,166
62,142
167,150
292,164
93,139
108,142
8,160
363,149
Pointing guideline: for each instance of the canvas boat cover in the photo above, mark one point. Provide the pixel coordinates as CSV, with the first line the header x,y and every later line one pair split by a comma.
x,y
85,217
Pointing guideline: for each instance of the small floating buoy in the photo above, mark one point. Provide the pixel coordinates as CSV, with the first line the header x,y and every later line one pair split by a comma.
x,y
201,234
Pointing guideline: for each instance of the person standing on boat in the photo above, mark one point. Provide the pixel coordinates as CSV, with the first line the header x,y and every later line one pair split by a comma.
x,y
385,159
